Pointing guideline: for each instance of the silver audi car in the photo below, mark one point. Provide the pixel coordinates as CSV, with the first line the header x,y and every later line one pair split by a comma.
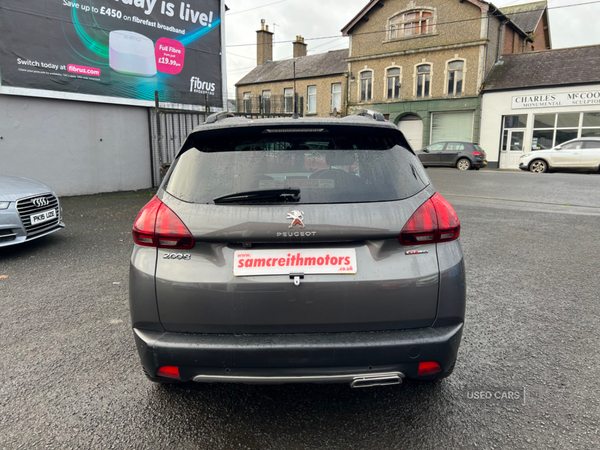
x,y
28,210
297,251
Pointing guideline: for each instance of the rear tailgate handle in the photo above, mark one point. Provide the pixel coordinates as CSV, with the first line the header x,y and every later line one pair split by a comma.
x,y
296,277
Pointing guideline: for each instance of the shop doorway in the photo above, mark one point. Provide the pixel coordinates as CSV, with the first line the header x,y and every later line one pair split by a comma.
x,y
512,148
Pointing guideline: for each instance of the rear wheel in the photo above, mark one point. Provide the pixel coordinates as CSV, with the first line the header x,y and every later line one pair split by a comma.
x,y
538,166
463,164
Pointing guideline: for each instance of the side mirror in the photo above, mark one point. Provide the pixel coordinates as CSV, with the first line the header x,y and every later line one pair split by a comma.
x,y
558,147
425,150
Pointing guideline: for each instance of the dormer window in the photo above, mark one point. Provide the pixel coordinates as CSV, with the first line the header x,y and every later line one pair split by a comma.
x,y
412,23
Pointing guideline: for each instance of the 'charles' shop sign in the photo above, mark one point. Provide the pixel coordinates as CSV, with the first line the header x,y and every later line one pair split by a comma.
x,y
556,100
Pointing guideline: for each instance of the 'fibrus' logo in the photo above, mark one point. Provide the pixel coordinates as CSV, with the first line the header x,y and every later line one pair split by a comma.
x,y
201,87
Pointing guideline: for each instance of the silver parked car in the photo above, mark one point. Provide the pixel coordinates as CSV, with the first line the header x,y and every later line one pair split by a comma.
x,y
28,210
581,154
297,251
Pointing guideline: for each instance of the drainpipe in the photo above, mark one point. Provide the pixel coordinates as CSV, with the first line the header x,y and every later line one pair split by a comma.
x,y
347,76
500,39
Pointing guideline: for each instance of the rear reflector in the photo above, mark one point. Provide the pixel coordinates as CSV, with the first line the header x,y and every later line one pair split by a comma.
x,y
429,367
169,372
435,221
158,226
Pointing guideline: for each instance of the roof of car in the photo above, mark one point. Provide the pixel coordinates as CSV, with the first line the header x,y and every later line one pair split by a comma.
x,y
242,122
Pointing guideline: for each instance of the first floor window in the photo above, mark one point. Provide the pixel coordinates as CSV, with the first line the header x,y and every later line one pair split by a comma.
x,y
266,102
423,80
393,83
336,96
247,102
366,86
312,99
288,100
455,77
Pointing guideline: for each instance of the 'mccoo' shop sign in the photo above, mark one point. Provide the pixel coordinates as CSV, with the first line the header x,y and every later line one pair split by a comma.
x,y
554,100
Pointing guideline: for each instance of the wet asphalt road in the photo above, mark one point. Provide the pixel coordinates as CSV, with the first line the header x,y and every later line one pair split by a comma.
x,y
70,377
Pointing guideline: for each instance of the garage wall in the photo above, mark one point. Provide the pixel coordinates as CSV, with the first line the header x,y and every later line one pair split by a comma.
x,y
75,147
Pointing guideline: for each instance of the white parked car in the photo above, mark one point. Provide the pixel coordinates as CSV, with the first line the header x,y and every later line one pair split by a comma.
x,y
578,154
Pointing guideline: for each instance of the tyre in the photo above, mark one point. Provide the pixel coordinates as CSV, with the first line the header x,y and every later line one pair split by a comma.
x,y
463,164
538,166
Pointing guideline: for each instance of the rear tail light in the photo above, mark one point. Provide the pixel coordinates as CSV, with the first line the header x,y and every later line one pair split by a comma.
x,y
428,368
169,372
158,226
435,221
477,153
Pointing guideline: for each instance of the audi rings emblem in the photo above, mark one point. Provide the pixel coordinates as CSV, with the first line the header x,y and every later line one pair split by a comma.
x,y
40,201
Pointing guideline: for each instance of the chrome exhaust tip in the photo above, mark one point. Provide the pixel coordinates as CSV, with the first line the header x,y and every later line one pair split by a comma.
x,y
377,379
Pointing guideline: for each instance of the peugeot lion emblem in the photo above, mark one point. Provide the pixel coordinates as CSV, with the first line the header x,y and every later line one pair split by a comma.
x,y
297,218
40,201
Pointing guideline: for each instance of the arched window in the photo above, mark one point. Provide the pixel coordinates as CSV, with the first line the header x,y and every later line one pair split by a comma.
x,y
393,83
423,80
412,23
456,77
366,86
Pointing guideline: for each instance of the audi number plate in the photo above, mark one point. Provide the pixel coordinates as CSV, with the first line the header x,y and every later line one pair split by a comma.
x,y
285,262
42,217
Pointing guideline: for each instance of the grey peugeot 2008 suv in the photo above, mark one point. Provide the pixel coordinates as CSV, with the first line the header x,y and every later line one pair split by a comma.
x,y
297,251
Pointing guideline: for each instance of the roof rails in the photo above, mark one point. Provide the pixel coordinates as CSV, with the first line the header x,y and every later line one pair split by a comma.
x,y
376,115
217,117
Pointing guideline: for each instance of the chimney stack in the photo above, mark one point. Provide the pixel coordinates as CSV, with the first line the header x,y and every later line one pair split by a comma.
x,y
264,44
299,47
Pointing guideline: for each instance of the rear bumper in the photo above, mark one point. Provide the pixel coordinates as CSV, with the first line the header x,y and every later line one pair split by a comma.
x,y
318,356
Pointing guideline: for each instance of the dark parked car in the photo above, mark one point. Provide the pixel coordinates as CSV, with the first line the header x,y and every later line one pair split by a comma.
x,y
462,155
297,251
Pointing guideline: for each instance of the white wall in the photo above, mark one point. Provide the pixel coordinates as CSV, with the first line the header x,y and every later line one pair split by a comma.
x,y
494,105
75,147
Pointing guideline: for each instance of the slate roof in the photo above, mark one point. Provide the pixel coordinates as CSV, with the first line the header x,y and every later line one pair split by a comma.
x,y
526,16
568,66
319,65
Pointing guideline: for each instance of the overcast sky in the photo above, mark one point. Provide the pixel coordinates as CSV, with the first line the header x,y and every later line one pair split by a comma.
x,y
316,19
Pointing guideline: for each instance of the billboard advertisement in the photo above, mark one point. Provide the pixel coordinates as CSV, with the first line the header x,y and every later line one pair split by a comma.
x,y
114,48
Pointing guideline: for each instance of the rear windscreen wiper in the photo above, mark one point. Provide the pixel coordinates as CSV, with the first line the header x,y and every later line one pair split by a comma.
x,y
284,195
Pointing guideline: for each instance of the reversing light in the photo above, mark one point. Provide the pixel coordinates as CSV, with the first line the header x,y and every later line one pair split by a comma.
x,y
428,368
435,221
158,226
169,372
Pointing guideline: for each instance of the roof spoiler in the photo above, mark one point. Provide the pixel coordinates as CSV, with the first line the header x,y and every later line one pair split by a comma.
x,y
375,115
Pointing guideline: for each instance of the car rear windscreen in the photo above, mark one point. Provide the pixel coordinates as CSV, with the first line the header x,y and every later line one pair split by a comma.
x,y
329,165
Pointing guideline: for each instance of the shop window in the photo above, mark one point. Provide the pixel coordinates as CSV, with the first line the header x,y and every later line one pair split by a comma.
x,y
411,23
519,121
591,125
423,80
366,86
312,99
455,77
288,100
